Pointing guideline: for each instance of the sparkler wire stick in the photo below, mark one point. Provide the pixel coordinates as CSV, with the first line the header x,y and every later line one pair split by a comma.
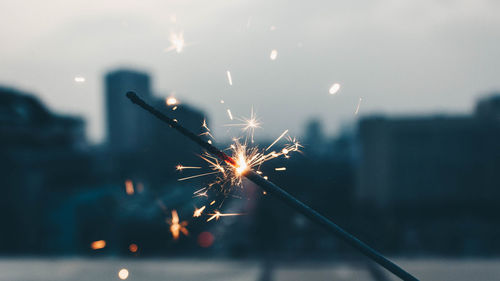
x,y
281,194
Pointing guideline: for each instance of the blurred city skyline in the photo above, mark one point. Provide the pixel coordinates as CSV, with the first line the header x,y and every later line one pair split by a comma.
x,y
404,57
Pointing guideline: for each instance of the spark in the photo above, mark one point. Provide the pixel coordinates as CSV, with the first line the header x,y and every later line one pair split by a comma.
x,y
334,88
79,79
280,169
197,212
230,114
99,244
171,101
211,203
176,227
216,215
221,101
174,108
129,187
274,142
196,176
123,274
229,79
273,55
176,42
357,107
180,167
201,192
248,124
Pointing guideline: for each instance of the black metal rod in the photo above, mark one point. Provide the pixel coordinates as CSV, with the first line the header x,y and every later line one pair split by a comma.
x,y
281,194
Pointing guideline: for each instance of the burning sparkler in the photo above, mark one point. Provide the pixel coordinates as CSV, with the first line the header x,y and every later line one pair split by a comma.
x,y
176,227
240,165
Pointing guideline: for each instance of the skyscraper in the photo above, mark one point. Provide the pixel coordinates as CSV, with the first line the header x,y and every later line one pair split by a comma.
x,y
125,126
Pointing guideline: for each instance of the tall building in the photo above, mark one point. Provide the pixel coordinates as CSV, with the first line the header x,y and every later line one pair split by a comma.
x,y
431,162
125,123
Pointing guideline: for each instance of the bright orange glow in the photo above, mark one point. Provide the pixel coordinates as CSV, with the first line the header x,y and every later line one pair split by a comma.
x,y
133,248
171,101
197,212
176,227
99,244
129,187
123,274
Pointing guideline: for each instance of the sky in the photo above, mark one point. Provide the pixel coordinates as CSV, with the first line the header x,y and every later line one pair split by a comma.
x,y
399,57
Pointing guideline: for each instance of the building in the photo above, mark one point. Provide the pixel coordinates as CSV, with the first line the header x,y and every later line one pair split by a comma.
x,y
126,126
42,155
431,161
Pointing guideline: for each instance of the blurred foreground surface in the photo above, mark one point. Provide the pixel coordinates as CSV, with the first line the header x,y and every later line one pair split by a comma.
x,y
106,269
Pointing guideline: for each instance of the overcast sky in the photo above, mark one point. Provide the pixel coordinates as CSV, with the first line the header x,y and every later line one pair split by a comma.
x,y
401,57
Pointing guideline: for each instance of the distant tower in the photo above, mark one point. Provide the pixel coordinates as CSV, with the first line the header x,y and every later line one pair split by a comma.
x,y
125,126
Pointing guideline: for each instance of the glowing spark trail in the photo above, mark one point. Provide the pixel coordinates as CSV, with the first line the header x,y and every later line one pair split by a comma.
x,y
274,142
229,79
334,88
230,114
280,169
216,215
357,107
197,212
276,191
177,227
180,167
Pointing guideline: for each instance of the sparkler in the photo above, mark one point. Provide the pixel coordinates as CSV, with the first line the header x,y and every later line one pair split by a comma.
x,y
275,190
